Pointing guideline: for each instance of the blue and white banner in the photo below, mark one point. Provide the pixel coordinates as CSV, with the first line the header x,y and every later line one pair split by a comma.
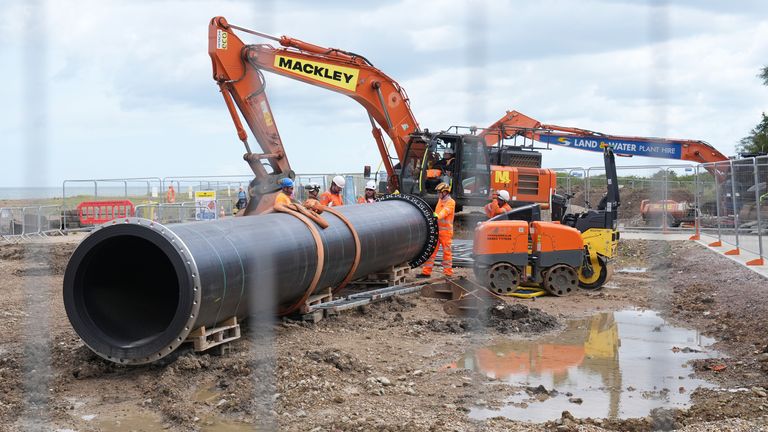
x,y
649,148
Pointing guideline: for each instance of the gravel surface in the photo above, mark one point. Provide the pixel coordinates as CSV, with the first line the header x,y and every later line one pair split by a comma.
x,y
386,367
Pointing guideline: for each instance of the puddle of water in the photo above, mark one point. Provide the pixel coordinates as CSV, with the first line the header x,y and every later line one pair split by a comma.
x,y
215,425
632,270
206,394
131,423
152,423
620,364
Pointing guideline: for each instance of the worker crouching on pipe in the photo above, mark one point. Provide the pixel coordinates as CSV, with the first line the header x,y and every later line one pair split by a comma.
x,y
444,212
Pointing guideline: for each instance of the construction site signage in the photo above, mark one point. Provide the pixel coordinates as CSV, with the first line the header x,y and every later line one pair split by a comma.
x,y
337,76
662,149
205,205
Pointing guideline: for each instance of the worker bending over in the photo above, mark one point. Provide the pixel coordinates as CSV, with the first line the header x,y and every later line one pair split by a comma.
x,y
370,193
332,197
499,204
313,201
286,190
444,212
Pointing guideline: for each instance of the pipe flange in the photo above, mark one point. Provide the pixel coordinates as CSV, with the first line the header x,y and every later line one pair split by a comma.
x,y
80,324
428,214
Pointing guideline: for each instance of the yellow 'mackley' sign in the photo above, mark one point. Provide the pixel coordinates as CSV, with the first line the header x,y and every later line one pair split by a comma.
x,y
338,76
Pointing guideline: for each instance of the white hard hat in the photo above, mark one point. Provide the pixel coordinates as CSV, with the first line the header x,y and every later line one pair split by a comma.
x,y
339,181
371,185
504,195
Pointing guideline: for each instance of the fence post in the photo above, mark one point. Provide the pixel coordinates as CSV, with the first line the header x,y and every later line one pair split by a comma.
x,y
719,241
664,199
735,251
696,206
759,260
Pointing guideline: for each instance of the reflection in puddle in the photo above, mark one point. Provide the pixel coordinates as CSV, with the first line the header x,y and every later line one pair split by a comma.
x,y
620,365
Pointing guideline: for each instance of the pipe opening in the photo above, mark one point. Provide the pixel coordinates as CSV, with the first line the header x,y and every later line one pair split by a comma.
x,y
129,289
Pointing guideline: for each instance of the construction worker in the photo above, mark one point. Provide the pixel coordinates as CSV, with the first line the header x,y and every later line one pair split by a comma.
x,y
242,200
286,190
332,197
370,193
313,190
499,204
170,196
446,163
312,202
444,213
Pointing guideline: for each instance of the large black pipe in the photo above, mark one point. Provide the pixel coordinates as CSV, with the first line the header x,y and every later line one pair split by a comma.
x,y
134,289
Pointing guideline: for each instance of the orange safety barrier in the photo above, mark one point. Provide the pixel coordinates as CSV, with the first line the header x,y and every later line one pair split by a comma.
x,y
97,212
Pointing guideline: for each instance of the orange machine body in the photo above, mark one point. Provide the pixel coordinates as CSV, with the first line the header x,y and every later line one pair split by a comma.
x,y
502,241
525,184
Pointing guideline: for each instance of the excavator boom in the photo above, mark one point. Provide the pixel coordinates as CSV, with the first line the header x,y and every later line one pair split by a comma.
x,y
237,68
514,124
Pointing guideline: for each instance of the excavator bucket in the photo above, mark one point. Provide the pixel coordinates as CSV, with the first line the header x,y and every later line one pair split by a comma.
x,y
464,298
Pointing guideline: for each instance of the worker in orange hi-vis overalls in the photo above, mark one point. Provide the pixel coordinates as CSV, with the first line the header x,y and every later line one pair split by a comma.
x,y
286,190
444,212
170,196
370,193
499,204
332,197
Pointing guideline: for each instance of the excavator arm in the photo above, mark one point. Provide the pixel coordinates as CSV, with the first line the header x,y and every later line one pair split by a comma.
x,y
514,124
237,70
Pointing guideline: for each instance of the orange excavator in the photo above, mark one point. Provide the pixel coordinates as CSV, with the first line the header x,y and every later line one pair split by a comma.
x,y
484,160
238,67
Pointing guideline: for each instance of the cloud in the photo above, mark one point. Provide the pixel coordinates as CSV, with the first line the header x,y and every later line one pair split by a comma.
x,y
131,94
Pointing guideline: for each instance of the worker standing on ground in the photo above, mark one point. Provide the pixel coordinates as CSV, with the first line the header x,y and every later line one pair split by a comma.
x,y
242,200
444,212
332,197
370,193
499,204
284,196
170,196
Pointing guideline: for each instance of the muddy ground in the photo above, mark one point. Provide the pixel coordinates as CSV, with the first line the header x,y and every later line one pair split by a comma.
x,y
391,366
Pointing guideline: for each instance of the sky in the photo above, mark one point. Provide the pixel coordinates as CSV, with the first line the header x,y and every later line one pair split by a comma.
x,y
115,89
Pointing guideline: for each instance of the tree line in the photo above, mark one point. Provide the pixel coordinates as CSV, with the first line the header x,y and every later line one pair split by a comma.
x,y
757,140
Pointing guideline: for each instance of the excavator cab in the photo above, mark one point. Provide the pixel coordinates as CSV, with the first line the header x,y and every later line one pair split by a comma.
x,y
459,160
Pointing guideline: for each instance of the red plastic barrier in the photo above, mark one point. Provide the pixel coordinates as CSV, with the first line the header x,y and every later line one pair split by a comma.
x,y
97,212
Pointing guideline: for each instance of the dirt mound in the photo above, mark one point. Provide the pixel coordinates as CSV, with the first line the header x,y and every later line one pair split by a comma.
x,y
631,197
503,318
518,318
341,360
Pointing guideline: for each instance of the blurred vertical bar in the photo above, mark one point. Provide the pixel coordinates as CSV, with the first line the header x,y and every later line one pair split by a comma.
x,y
36,327
263,309
476,45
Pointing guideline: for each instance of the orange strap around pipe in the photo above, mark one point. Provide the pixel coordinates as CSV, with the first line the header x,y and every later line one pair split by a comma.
x,y
320,258
356,238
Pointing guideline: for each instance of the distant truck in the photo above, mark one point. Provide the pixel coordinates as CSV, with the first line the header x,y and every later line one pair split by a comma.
x,y
667,212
